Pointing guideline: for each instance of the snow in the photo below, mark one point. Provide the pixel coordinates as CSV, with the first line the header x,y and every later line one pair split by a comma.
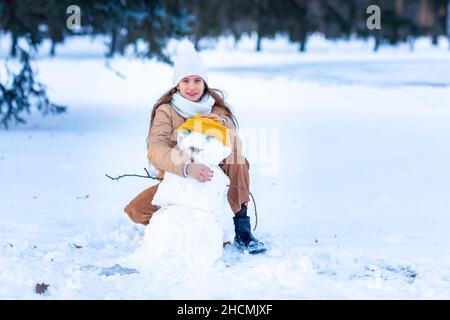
x,y
348,154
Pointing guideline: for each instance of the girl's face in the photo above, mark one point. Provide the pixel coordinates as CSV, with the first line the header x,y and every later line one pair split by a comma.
x,y
191,88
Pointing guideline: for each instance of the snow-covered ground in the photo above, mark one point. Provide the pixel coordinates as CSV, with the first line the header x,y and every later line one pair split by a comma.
x,y
349,153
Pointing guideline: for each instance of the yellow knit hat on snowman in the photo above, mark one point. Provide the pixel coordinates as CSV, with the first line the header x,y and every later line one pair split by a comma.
x,y
207,126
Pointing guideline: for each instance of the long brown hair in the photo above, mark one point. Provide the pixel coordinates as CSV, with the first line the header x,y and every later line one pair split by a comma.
x,y
215,93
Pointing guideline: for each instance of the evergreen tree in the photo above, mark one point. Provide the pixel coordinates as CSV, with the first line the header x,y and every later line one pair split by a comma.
x,y
22,19
238,17
298,18
164,20
23,94
128,22
265,19
205,19
55,21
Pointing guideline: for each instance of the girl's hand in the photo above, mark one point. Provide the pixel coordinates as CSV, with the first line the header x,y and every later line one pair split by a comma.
x,y
214,116
199,172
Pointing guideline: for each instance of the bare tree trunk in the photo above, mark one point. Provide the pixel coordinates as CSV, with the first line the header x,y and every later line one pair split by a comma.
x,y
113,43
53,49
258,41
399,5
197,25
434,39
448,23
303,36
377,43
435,28
258,35
235,42
410,40
14,45
303,45
259,22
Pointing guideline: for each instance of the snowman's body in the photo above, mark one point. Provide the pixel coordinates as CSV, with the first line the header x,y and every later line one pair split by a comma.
x,y
188,229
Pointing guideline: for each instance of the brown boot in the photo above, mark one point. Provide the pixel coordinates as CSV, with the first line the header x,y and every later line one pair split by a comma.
x,y
140,209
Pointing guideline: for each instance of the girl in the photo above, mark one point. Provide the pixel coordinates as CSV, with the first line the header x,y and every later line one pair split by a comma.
x,y
191,95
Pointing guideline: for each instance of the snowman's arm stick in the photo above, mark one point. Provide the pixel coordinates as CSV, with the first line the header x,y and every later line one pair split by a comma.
x,y
133,175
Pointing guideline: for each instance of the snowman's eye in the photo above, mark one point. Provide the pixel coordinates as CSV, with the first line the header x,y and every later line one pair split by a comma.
x,y
186,132
209,138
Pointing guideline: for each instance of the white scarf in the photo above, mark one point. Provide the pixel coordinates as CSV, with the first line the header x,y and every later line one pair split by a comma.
x,y
187,108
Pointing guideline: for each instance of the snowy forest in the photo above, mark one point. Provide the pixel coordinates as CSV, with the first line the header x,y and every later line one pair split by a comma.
x,y
154,22
342,109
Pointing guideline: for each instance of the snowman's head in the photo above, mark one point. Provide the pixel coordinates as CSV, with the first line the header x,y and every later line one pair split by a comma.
x,y
206,140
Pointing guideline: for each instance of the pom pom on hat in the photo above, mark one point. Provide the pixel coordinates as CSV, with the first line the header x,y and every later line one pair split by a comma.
x,y
188,63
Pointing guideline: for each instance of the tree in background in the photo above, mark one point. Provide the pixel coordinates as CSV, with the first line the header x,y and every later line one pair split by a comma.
x,y
125,22
54,22
165,20
22,20
301,18
238,19
154,22
148,25
442,16
448,23
208,19
24,93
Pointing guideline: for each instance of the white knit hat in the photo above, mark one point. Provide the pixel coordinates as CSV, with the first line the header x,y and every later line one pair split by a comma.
x,y
188,63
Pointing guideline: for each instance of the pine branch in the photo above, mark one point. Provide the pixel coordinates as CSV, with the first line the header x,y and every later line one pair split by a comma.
x,y
24,93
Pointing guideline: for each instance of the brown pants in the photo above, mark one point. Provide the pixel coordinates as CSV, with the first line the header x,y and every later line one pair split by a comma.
x,y
140,209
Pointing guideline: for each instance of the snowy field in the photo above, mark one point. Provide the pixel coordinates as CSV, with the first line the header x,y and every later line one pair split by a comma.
x,y
350,169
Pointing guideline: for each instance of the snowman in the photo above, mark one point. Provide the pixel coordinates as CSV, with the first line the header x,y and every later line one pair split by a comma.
x,y
189,228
